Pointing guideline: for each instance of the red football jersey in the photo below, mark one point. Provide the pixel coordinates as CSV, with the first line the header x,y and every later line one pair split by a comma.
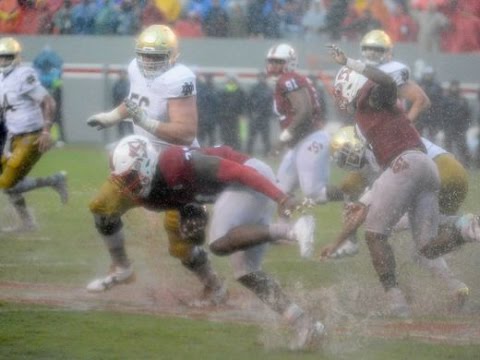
x,y
288,82
177,183
388,130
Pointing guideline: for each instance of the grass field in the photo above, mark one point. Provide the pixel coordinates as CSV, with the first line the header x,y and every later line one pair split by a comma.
x,y
45,313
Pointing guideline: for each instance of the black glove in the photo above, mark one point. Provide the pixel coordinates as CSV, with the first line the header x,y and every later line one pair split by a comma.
x,y
193,222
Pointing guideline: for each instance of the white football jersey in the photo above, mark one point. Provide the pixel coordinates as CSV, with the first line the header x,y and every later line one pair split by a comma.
x,y
152,94
22,112
433,150
398,71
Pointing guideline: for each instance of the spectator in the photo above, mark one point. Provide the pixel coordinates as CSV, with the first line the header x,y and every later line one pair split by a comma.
x,y
83,17
263,19
62,20
120,91
208,110
151,15
463,34
35,18
402,27
335,17
430,121
314,20
189,25
457,120
238,23
49,67
431,24
106,19
9,16
260,111
232,105
216,21
203,6
128,19
292,13
359,26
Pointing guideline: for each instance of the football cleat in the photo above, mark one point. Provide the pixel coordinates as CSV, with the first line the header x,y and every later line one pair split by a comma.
x,y
118,275
309,334
303,231
469,226
398,306
211,297
60,186
348,248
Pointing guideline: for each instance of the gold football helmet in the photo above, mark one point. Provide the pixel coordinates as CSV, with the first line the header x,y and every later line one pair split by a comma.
x,y
156,49
10,50
347,149
376,47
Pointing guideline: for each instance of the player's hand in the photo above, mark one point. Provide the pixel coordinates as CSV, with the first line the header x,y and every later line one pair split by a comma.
x,y
99,121
337,54
44,141
288,205
327,251
134,111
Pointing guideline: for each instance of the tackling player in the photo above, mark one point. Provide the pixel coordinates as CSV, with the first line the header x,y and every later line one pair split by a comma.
x,y
244,196
27,109
306,162
162,105
409,181
350,152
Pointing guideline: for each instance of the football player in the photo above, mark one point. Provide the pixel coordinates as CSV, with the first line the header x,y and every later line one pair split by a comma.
x,y
306,162
244,196
27,109
350,152
377,50
409,181
162,106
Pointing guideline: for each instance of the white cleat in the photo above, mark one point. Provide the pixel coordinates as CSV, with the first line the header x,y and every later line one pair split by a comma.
x,y
20,229
118,275
303,231
348,248
309,335
469,226
60,186
398,306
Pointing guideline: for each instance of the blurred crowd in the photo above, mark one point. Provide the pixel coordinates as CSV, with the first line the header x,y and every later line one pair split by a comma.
x,y
436,25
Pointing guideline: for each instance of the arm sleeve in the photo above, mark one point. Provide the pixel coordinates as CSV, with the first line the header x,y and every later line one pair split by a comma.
x,y
229,171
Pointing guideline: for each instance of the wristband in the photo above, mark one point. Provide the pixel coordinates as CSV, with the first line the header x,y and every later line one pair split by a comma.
x,y
285,136
356,65
148,124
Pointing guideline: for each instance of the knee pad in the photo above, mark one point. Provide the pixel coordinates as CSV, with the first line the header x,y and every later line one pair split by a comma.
x,y
193,223
108,225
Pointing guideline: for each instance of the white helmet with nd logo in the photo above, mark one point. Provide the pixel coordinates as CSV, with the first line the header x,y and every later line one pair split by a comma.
x,y
281,58
157,50
133,164
10,50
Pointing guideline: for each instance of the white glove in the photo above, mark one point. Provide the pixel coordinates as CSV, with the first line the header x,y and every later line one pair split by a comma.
x,y
139,116
104,120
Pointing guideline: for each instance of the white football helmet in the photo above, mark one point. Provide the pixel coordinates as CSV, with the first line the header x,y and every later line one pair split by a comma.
x,y
133,164
10,50
157,50
284,53
347,85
